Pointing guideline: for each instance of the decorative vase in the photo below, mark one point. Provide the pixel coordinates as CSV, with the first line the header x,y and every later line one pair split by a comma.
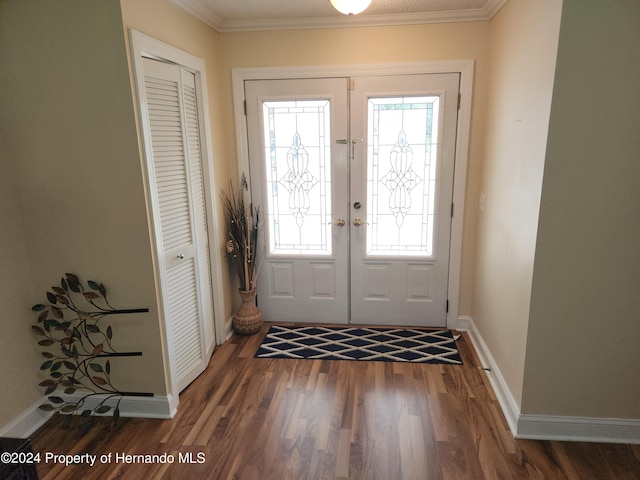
x,y
248,318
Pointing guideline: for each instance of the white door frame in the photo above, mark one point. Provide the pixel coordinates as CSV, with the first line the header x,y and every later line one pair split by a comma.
x,y
145,46
464,67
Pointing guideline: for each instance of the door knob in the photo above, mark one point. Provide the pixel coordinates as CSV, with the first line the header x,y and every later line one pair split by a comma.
x,y
357,222
180,256
338,223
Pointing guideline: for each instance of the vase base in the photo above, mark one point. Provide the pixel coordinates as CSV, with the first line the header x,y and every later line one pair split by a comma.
x,y
248,318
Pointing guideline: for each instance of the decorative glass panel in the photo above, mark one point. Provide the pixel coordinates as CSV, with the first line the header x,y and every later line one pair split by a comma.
x,y
402,175
298,176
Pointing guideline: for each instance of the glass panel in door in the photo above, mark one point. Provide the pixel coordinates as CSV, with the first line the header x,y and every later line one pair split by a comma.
x,y
401,175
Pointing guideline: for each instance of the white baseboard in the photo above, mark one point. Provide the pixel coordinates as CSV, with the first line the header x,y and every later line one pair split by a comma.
x,y
462,323
549,427
508,404
25,424
228,329
31,419
578,429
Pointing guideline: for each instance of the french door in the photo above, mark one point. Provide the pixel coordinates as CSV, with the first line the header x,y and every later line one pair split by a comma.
x,y
354,177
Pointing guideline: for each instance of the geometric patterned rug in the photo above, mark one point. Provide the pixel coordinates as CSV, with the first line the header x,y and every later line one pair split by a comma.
x,y
360,343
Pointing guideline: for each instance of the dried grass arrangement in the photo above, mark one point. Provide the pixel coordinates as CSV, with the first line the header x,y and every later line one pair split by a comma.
x,y
242,221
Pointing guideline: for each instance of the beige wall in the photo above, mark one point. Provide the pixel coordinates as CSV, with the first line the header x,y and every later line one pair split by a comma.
x,y
70,149
172,25
19,359
524,39
327,47
583,347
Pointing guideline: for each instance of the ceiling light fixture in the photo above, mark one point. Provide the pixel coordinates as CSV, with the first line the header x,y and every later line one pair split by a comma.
x,y
350,7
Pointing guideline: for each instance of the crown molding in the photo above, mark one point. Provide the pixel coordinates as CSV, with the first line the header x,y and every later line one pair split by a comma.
x,y
493,6
200,11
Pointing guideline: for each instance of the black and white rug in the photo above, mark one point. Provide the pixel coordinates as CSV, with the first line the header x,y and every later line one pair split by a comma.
x,y
360,343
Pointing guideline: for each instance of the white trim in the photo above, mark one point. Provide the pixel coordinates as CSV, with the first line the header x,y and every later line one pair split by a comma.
x,y
466,70
201,12
228,329
145,46
549,427
135,407
578,429
462,323
31,419
208,16
27,422
507,402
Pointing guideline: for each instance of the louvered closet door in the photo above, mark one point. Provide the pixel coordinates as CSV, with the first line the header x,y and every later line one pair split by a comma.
x,y
179,212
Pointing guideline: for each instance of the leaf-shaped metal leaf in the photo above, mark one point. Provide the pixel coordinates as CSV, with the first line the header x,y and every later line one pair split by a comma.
x,y
46,342
62,299
46,407
116,413
93,285
107,367
46,383
70,390
52,297
103,291
51,323
90,295
50,389
68,408
65,285
56,312
71,278
97,350
99,380
69,365
67,353
38,307
103,409
46,365
56,366
37,330
109,332
55,399
93,328
96,367
56,374
59,290
47,354
43,315
86,413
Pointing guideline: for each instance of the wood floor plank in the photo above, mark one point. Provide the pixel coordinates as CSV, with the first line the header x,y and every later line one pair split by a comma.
x,y
269,419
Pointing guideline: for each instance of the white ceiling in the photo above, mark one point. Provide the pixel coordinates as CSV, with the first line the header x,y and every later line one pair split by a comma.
x,y
233,15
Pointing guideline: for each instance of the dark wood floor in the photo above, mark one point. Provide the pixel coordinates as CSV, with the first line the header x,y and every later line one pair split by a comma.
x,y
247,418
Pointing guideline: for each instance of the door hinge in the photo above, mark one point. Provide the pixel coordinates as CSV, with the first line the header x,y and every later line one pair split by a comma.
x,y
459,100
244,104
451,209
447,306
352,84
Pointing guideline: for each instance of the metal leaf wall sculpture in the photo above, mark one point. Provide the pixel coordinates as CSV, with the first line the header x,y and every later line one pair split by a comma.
x,y
78,346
